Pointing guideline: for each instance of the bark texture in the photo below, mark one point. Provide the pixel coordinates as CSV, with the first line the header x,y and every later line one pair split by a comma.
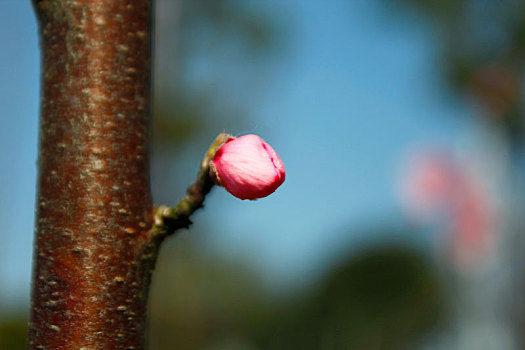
x,y
93,248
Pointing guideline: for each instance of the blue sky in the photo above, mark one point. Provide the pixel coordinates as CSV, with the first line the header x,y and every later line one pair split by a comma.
x,y
19,97
354,90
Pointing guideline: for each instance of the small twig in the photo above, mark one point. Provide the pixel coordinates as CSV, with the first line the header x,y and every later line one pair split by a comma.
x,y
167,220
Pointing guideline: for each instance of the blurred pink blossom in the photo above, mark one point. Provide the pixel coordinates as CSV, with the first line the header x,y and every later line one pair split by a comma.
x,y
436,187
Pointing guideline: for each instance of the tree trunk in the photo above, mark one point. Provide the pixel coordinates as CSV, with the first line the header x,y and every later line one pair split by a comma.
x,y
93,247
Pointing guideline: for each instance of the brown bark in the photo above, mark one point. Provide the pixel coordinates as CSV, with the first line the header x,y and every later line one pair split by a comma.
x,y
93,247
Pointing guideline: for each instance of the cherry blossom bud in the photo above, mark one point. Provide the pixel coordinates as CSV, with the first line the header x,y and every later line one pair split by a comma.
x,y
247,167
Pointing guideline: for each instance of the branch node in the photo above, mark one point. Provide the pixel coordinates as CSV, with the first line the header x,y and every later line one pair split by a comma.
x,y
167,220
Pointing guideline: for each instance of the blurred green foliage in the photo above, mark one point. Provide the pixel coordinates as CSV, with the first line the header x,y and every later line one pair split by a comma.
x,y
381,298
483,54
199,301
13,332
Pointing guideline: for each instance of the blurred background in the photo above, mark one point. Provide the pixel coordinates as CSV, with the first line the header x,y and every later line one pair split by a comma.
x,y
401,126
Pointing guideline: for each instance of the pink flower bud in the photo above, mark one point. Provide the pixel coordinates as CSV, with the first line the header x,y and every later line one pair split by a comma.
x,y
247,167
